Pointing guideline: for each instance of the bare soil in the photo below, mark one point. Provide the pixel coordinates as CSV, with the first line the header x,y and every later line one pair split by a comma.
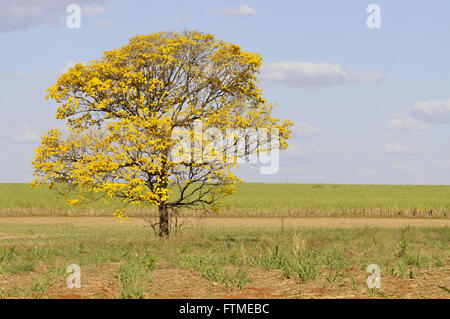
x,y
101,282
327,222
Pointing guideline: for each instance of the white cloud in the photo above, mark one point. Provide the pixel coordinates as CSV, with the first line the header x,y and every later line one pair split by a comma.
x,y
24,14
437,111
67,67
243,11
303,74
25,134
93,9
301,150
399,148
23,131
17,74
407,124
303,129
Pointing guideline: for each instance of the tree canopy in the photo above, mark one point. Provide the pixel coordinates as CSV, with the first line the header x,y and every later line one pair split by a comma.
x,y
127,113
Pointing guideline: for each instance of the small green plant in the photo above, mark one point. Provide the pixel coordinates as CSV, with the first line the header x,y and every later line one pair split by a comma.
x,y
399,269
40,285
213,269
13,292
240,279
372,292
272,260
20,267
352,281
7,254
135,275
335,277
415,260
149,261
302,268
401,249
438,260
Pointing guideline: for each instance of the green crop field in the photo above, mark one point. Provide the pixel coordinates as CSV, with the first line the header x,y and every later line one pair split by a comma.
x,y
254,199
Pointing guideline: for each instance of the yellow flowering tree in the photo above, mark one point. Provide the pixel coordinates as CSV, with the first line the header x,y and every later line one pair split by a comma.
x,y
122,112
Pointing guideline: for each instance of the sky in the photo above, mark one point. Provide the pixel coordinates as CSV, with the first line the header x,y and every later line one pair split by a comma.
x,y
369,92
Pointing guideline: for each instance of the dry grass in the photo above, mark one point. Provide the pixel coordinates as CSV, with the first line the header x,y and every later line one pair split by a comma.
x,y
314,222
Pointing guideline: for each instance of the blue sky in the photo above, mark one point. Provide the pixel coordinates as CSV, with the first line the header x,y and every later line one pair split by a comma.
x,y
371,106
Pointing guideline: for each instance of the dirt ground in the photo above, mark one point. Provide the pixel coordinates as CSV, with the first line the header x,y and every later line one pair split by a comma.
x,y
328,222
101,281
168,283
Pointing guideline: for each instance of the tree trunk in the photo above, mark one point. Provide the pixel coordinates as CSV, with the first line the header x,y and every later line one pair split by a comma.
x,y
163,221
